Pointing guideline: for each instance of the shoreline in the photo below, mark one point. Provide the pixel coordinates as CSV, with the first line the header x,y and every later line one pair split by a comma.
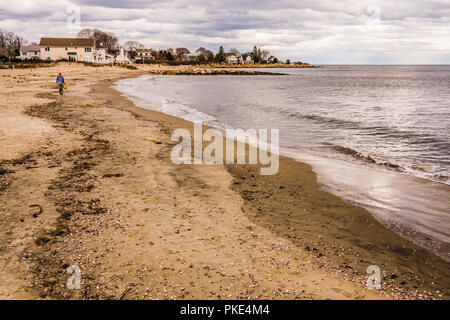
x,y
381,192
131,177
244,183
210,72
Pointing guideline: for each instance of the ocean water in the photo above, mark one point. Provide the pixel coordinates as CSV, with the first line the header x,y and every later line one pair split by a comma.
x,y
377,135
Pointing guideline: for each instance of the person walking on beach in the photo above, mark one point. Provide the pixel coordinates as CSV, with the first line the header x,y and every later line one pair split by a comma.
x,y
60,82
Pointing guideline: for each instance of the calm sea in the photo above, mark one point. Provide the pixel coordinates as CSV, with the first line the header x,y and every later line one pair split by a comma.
x,y
376,135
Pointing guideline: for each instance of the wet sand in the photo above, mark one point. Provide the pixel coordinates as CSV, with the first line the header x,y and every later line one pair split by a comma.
x,y
89,182
415,208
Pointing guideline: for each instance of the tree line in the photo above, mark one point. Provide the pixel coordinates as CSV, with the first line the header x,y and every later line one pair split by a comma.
x,y
111,42
10,44
200,55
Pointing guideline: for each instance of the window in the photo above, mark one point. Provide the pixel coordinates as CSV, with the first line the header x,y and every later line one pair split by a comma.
x,y
47,48
87,49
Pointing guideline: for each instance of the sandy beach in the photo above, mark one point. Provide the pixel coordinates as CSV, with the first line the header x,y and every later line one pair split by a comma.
x,y
86,179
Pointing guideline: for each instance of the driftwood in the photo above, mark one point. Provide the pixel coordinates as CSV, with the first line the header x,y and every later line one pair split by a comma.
x,y
124,293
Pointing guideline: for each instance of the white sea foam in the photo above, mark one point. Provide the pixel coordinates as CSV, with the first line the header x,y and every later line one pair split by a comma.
x,y
136,91
185,112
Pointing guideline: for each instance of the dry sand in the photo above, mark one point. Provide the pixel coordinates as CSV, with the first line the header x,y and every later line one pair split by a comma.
x,y
86,179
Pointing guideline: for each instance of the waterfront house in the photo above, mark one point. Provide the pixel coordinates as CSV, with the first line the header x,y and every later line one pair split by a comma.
x,y
30,52
101,55
231,58
72,49
143,55
247,59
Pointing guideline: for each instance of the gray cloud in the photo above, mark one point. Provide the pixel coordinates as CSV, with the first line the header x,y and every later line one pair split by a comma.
x,y
348,31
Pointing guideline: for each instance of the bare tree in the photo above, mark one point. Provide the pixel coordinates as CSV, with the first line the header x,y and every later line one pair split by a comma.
x,y
107,39
181,53
235,51
204,55
2,42
131,47
209,56
85,33
200,51
265,54
155,54
10,43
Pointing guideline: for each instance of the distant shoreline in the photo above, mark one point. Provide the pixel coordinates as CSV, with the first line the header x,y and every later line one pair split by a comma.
x,y
260,65
178,67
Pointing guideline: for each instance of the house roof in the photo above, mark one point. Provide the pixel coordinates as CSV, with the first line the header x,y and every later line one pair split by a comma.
x,y
30,48
229,54
144,50
66,42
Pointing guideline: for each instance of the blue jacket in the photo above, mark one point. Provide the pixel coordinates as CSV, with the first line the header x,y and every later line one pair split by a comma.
x,y
60,79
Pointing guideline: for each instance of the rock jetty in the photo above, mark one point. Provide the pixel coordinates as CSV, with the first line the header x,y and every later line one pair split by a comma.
x,y
212,72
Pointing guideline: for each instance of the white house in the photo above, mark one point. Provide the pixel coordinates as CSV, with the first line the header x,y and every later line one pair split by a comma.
x,y
72,49
30,52
100,56
143,55
247,59
231,58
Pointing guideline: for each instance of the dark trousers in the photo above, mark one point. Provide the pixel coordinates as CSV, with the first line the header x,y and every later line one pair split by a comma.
x,y
61,88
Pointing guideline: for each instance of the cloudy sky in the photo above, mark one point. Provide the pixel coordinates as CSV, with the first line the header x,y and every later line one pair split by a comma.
x,y
316,31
